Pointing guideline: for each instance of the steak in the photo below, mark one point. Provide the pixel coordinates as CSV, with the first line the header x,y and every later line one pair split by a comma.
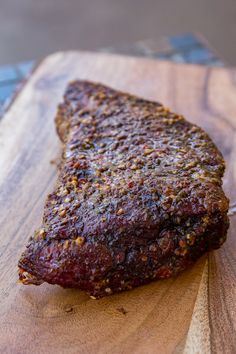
x,y
138,197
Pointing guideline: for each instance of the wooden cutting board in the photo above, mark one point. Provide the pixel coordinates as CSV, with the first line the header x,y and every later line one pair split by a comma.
x,y
192,313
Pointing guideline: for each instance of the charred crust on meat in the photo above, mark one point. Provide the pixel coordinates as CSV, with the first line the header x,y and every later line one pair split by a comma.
x,y
138,197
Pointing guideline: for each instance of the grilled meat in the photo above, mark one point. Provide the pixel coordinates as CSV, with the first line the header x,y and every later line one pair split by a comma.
x,y
139,195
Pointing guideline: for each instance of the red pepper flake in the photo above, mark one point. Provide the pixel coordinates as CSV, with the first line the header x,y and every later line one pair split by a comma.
x,y
76,165
131,184
82,180
182,243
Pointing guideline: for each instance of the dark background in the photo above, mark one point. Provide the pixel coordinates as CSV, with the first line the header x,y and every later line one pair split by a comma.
x,y
30,29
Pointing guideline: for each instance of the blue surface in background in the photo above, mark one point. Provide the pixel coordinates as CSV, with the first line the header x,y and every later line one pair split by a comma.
x,y
184,48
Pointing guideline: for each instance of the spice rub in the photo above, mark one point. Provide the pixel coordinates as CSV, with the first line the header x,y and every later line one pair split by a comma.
x,y
138,198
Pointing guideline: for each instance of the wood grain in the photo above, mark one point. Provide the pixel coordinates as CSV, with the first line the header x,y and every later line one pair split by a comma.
x,y
192,313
